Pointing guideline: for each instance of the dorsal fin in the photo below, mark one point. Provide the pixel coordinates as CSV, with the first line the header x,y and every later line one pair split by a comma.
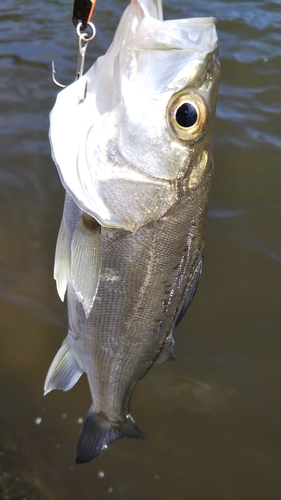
x,y
167,353
190,292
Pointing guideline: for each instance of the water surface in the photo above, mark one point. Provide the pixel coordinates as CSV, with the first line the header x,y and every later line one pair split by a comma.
x,y
213,416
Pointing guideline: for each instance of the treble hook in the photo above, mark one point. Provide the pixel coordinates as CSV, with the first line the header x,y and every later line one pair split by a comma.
x,y
83,40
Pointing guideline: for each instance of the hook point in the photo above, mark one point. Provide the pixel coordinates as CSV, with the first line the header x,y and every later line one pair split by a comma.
x,y
54,78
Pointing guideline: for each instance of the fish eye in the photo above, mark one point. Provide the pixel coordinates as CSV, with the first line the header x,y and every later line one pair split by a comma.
x,y
187,116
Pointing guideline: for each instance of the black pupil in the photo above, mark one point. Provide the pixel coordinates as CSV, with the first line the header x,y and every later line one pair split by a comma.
x,y
186,115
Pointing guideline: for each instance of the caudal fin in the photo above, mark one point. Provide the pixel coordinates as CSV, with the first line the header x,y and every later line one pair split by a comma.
x,y
98,433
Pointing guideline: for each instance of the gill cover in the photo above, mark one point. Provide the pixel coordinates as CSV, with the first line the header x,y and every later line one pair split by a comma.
x,y
120,152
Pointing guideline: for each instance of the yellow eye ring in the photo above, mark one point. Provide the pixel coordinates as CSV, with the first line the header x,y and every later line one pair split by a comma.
x,y
187,115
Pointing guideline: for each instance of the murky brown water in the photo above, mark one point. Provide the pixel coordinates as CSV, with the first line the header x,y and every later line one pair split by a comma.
x,y
213,416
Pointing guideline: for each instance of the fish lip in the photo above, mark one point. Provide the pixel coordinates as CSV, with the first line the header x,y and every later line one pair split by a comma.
x,y
179,34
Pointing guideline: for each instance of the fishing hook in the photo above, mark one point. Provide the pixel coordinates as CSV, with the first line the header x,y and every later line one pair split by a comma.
x,y
83,40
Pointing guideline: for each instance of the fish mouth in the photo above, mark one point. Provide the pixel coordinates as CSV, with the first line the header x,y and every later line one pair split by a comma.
x,y
183,34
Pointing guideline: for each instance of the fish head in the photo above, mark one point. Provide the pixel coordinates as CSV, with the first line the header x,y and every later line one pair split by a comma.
x,y
138,126
169,96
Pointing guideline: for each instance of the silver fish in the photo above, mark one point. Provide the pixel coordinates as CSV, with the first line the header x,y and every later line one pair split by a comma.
x,y
132,141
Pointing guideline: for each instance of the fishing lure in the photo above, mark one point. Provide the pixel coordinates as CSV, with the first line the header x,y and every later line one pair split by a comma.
x,y
81,18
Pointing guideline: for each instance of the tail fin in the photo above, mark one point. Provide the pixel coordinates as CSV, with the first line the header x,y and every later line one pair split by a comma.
x,y
98,433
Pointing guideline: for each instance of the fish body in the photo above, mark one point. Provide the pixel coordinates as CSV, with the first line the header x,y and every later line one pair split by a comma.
x,y
132,141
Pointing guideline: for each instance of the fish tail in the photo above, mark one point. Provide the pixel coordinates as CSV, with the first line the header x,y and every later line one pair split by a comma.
x,y
98,432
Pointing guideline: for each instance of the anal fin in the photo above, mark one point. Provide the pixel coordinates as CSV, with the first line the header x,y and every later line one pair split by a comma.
x,y
64,371
98,432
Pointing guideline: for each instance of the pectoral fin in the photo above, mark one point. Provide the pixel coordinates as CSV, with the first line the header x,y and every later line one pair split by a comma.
x,y
61,267
86,261
64,371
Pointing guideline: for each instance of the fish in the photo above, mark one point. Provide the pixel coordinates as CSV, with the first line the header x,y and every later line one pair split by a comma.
x,y
132,140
